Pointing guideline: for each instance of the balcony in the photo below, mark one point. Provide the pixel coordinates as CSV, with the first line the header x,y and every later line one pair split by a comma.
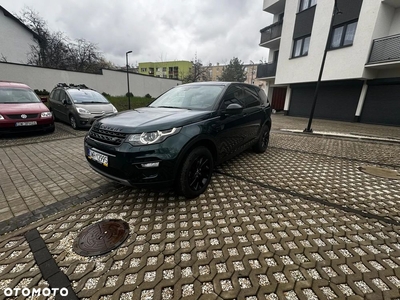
x,y
385,52
266,70
270,35
274,6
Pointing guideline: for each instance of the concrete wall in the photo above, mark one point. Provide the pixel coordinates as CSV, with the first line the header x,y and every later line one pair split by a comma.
x,y
15,40
111,82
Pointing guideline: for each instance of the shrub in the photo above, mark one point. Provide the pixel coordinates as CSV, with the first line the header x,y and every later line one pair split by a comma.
x,y
129,94
147,96
41,92
105,94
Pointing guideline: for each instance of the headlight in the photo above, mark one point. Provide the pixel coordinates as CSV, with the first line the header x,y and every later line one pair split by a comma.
x,y
114,109
147,138
46,114
83,111
1,117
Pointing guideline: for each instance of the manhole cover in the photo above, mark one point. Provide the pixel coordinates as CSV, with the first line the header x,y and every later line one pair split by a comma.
x,y
101,237
380,172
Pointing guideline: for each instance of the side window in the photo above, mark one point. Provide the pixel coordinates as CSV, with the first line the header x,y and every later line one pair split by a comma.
x,y
263,97
56,95
250,98
232,95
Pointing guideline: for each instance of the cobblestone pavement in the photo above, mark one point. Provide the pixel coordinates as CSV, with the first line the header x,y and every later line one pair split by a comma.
x,y
40,171
300,221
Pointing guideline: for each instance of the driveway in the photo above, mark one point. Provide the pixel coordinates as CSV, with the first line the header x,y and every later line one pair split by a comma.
x,y
301,221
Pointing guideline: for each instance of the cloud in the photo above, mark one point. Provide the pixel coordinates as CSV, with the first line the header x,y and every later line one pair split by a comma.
x,y
158,30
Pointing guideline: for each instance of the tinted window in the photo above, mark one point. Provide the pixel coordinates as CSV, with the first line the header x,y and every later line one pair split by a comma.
x,y
250,98
263,97
232,95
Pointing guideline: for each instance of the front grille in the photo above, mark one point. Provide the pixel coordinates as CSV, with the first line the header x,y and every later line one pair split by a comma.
x,y
107,136
28,116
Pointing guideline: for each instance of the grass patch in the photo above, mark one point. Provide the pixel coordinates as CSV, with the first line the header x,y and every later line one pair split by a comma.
x,y
121,102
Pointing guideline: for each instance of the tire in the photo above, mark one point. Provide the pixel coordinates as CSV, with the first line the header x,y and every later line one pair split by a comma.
x,y
51,130
262,143
73,122
195,174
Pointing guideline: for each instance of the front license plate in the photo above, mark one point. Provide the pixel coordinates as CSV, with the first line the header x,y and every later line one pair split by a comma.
x,y
31,123
100,158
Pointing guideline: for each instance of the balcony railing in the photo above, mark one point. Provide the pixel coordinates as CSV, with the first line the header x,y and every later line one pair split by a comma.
x,y
385,49
266,70
271,32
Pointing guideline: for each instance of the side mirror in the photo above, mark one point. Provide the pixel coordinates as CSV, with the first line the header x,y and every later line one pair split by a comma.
x,y
234,109
64,102
44,99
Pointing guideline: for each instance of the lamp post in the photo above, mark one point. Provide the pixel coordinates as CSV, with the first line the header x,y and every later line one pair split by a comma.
x,y
127,79
336,11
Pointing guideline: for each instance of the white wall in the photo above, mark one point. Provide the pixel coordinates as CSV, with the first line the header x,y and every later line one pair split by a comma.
x,y
111,82
395,28
15,40
344,63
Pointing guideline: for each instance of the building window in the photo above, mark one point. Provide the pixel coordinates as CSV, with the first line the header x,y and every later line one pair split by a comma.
x,y
343,35
304,4
164,69
143,69
301,46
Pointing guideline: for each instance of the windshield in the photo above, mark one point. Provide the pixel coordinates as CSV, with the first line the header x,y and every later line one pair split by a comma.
x,y
87,96
15,95
197,97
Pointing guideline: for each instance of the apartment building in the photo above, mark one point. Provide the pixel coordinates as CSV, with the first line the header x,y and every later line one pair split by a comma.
x,y
166,69
361,76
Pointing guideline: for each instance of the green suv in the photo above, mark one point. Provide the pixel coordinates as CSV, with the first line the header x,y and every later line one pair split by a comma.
x,y
180,137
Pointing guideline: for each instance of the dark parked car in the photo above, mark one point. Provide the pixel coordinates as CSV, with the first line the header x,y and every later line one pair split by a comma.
x,y
21,110
181,136
78,105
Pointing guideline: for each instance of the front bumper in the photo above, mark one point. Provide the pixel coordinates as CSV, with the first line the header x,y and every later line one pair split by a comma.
x,y
127,164
9,126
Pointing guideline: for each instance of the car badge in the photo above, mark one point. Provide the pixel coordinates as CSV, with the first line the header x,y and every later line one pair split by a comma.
x,y
103,112
23,116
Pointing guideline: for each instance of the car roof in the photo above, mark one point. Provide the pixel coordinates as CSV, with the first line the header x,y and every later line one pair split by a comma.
x,y
14,84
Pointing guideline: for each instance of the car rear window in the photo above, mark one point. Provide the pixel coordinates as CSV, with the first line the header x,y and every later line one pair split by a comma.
x,y
86,96
15,95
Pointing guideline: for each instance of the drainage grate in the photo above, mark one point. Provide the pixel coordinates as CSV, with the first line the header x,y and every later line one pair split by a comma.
x,y
101,237
380,172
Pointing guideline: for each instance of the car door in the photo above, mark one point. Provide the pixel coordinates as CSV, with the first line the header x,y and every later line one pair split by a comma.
x,y
229,130
65,106
253,114
55,103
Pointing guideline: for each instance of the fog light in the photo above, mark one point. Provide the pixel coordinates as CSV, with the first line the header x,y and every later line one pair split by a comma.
x,y
150,165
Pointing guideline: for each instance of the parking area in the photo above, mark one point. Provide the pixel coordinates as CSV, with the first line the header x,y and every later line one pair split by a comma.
x,y
301,221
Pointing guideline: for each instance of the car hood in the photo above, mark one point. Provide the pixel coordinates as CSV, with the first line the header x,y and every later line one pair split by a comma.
x,y
22,108
96,108
147,119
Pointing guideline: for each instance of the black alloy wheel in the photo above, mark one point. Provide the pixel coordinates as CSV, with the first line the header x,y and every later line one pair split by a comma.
x,y
196,173
263,141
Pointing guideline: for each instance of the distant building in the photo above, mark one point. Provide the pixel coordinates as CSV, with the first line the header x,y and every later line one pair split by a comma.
x,y
361,78
166,69
16,38
215,71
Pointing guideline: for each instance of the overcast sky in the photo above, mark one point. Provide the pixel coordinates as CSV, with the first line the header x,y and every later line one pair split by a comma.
x,y
159,30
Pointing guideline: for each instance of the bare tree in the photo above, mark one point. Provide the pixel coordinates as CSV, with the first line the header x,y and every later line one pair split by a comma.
x,y
55,50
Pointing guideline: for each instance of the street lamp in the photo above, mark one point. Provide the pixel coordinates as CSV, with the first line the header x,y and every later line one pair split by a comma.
x,y
336,11
127,79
